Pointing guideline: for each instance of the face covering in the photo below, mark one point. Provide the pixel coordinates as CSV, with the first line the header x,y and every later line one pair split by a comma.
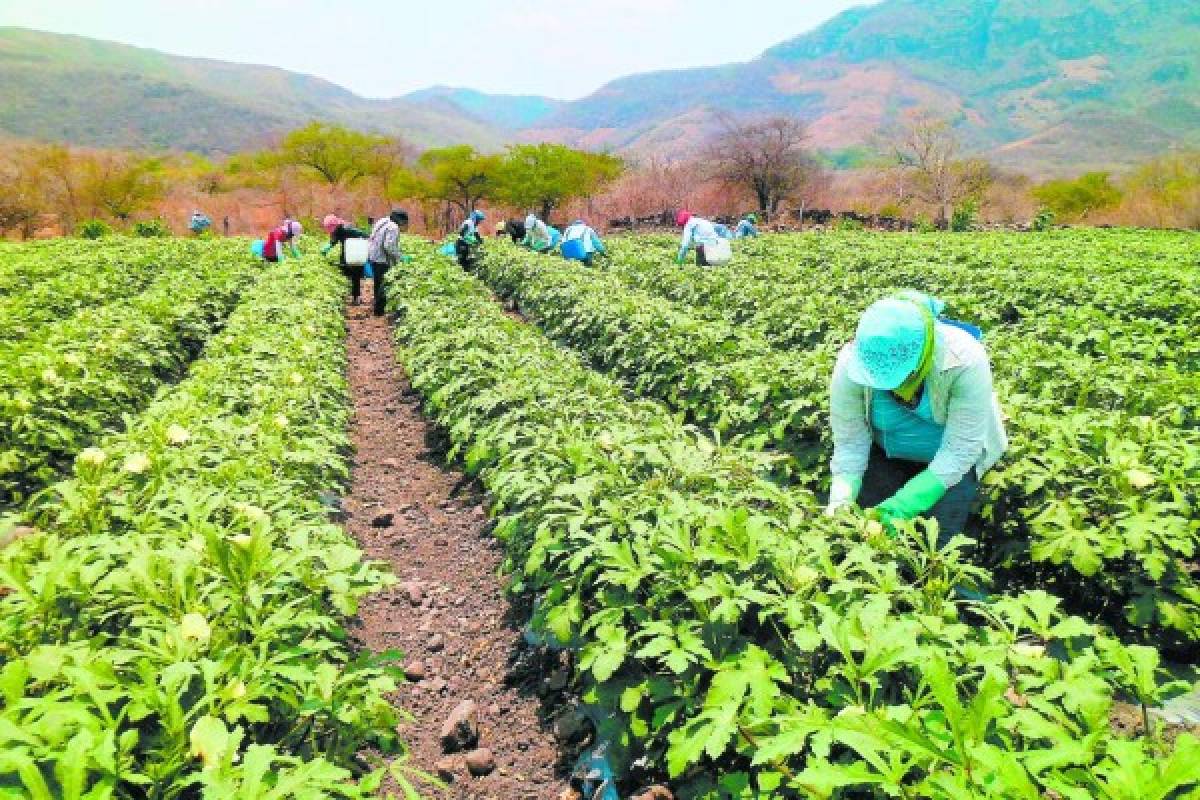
x,y
908,390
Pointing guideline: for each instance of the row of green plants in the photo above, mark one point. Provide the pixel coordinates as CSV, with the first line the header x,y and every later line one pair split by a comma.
x,y
1074,354
64,387
173,623
1098,504
737,639
781,279
722,377
22,265
85,277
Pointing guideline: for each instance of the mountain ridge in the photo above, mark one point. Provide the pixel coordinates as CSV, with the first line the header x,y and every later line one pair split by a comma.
x,y
1015,76
1049,87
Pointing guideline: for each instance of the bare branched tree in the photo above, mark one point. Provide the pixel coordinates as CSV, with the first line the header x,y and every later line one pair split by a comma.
x,y
928,150
766,156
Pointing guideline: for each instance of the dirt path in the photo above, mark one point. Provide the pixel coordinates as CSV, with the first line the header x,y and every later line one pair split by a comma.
x,y
449,612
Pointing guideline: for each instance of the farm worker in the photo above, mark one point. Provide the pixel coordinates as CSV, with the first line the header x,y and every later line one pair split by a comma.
x,y
537,235
467,246
199,222
746,228
383,252
916,422
287,232
581,243
516,230
697,232
339,231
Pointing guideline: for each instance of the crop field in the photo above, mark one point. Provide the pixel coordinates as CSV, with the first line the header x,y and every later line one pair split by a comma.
x,y
173,599
651,443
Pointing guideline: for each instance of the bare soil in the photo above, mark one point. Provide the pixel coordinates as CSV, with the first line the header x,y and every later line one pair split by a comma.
x,y
449,613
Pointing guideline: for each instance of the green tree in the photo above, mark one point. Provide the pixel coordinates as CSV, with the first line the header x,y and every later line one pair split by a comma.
x,y
120,184
1075,199
547,176
335,154
460,176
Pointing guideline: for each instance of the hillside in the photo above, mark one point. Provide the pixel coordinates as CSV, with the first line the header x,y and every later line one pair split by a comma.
x,y
1048,86
506,110
89,92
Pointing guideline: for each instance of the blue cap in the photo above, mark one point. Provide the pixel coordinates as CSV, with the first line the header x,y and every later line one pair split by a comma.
x,y
478,216
888,345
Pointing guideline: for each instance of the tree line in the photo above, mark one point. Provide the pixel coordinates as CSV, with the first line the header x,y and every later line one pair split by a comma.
x,y
765,164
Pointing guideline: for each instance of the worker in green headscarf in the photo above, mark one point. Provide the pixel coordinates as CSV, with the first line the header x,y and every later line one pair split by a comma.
x,y
746,227
916,422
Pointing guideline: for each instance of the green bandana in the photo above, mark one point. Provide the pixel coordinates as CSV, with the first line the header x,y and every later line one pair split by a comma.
x,y
908,390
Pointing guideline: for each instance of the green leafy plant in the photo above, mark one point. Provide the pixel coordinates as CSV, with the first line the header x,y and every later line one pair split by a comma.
x,y
739,642
151,229
94,229
965,216
1043,220
174,620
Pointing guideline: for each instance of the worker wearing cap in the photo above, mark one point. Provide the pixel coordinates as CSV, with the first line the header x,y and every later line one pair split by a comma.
x,y
916,422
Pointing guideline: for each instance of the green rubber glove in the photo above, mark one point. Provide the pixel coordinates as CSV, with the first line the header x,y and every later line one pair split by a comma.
x,y
406,259
295,252
918,496
325,250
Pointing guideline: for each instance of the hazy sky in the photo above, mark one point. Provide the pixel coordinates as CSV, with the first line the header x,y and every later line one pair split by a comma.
x,y
381,48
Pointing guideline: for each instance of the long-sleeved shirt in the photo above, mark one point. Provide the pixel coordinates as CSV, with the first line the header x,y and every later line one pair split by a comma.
x,y
961,398
537,234
469,231
745,229
587,235
273,245
697,231
384,246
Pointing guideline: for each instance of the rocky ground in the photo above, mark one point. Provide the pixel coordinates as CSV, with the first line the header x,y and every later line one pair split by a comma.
x,y
486,706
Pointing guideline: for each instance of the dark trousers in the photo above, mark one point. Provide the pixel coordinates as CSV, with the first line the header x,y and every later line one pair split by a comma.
x,y
886,476
380,298
466,253
355,274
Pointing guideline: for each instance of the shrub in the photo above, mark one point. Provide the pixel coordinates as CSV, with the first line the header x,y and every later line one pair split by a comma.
x,y
1043,220
964,216
151,229
1075,199
924,224
94,229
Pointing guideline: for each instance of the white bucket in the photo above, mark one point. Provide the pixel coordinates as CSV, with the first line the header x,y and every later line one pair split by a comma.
x,y
356,251
718,253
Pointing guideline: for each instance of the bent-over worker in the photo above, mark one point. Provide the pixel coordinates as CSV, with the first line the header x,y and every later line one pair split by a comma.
x,y
916,421
339,231
285,233
746,227
469,242
580,242
697,232
383,252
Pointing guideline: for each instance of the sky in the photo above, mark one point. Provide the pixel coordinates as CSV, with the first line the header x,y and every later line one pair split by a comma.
x,y
384,48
